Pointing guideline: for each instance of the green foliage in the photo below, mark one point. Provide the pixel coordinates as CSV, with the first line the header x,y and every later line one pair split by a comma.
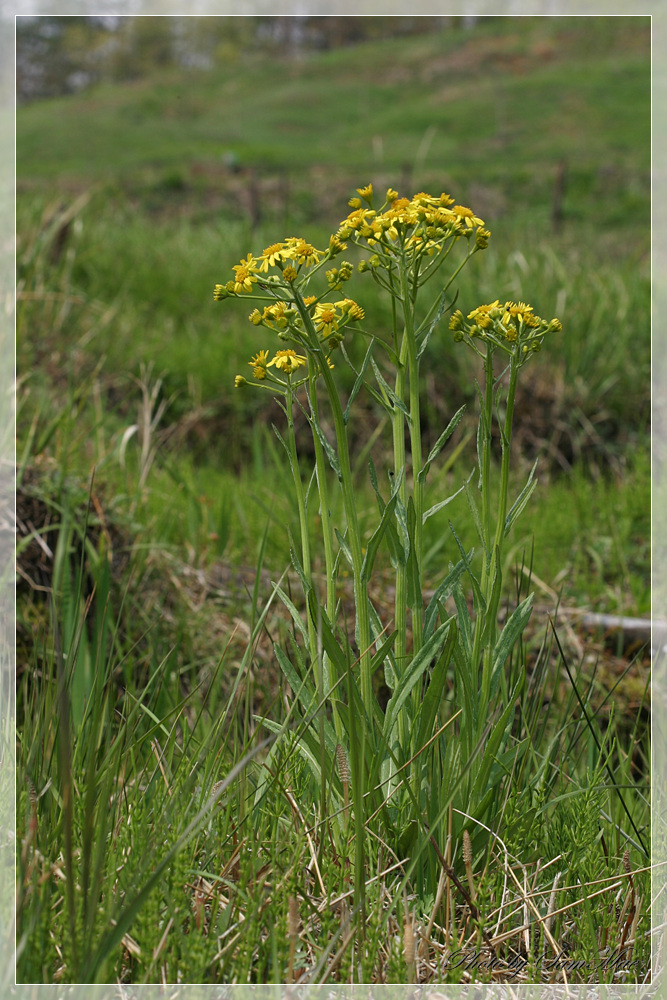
x,y
145,680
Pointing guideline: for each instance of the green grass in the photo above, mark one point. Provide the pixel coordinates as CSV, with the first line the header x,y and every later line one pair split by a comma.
x,y
144,680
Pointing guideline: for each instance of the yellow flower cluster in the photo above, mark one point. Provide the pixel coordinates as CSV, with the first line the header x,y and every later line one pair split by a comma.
x,y
422,223
290,255
508,326
329,317
286,361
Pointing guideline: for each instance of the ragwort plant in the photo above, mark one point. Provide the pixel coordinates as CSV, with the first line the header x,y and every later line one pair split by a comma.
x,y
403,772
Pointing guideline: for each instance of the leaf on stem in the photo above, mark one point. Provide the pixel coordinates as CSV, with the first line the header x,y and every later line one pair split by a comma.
x,y
412,675
440,443
361,374
438,317
389,394
376,537
433,697
474,510
442,592
521,500
328,449
513,629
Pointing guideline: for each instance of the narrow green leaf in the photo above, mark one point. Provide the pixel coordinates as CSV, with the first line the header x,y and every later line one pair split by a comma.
x,y
439,506
301,687
296,563
390,394
521,501
463,618
376,537
412,568
480,603
513,629
440,443
442,592
359,381
436,685
432,326
296,616
344,547
474,510
328,449
412,675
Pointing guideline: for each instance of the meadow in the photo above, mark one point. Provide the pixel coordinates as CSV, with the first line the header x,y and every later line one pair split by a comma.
x,y
184,814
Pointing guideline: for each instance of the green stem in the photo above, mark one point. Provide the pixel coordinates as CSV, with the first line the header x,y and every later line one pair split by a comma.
x,y
354,534
486,467
327,536
307,570
496,561
303,517
416,450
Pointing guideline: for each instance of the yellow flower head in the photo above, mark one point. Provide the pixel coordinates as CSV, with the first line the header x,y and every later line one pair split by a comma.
x,y
482,237
271,256
481,316
391,195
336,245
353,309
274,315
467,216
302,252
288,361
245,274
366,193
259,361
518,310
290,273
357,219
354,202
325,318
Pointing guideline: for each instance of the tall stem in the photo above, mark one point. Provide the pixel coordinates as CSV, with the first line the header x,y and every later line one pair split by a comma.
x,y
327,537
416,452
496,555
354,534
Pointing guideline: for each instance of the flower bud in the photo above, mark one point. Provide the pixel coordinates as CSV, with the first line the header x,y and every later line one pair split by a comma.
x,y
220,293
255,317
555,326
482,237
456,320
240,381
362,266
346,270
458,336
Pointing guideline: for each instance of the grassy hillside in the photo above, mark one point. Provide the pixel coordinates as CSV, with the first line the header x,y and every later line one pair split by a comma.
x,y
498,106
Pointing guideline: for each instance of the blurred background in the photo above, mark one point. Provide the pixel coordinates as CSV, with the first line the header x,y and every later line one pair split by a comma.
x,y
154,152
